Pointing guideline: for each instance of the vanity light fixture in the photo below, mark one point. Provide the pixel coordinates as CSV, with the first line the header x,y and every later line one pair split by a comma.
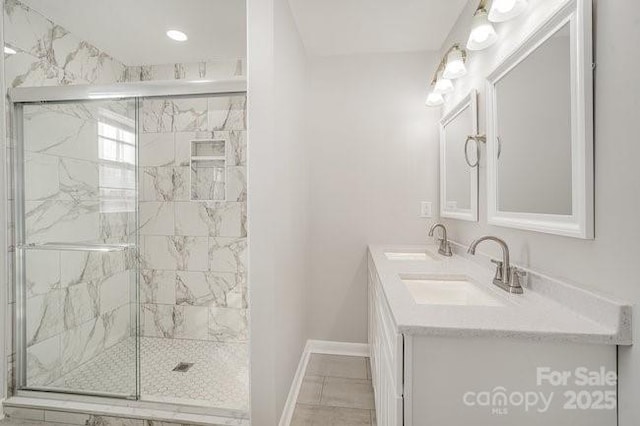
x,y
177,35
443,86
9,51
455,59
482,33
503,10
451,66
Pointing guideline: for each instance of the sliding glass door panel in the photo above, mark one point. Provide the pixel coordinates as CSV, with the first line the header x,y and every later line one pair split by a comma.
x,y
76,232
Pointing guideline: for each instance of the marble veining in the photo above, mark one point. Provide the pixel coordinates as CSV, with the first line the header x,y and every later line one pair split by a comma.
x,y
190,253
227,113
165,184
228,324
156,218
219,289
228,254
211,219
213,69
48,54
49,358
208,181
158,287
174,115
117,226
66,221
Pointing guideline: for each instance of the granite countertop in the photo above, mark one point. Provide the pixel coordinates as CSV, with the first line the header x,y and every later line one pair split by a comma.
x,y
548,309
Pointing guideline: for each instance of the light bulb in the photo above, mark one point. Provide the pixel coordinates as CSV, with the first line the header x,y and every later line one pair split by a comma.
x,y
482,33
503,10
177,35
455,67
434,99
503,6
443,86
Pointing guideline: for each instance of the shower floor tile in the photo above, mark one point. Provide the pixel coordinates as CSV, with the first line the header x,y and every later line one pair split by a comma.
x,y
219,376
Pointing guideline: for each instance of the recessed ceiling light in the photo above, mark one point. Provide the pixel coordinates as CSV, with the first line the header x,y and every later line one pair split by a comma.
x,y
9,51
177,35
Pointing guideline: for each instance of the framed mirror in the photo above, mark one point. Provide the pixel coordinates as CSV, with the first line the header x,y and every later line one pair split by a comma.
x,y
459,161
540,129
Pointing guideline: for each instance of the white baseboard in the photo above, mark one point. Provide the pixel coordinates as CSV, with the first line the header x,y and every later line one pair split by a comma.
x,y
290,405
317,347
337,348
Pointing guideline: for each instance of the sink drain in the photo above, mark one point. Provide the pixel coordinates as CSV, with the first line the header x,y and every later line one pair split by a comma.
x,y
183,367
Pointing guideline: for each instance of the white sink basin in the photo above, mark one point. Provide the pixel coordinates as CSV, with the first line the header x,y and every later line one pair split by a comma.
x,y
447,290
411,255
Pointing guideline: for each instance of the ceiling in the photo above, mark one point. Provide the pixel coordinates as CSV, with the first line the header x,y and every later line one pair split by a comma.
x,y
133,31
340,27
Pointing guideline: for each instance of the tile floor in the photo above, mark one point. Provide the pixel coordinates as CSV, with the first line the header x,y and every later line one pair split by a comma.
x,y
218,378
336,391
93,421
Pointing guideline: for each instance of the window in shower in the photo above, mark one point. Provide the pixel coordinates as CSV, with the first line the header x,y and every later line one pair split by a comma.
x,y
117,155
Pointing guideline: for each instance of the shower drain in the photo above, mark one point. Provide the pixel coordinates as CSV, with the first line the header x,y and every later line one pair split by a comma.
x,y
183,367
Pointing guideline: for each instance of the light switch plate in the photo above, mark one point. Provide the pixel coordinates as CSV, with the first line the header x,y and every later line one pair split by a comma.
x,y
425,209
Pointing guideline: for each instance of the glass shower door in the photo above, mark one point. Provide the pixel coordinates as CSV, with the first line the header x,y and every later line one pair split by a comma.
x,y
76,223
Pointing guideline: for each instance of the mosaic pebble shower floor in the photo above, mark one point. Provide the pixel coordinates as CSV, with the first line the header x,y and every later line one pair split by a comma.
x,y
219,376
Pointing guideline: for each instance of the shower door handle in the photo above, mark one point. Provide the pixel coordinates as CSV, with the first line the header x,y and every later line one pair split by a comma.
x,y
103,248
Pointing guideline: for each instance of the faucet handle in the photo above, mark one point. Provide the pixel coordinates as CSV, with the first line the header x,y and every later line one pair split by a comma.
x,y
445,248
498,264
517,276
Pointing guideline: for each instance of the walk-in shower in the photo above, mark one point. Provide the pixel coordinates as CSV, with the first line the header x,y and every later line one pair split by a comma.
x,y
130,232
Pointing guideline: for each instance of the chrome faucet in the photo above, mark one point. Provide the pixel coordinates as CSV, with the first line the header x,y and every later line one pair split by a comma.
x,y
507,277
445,247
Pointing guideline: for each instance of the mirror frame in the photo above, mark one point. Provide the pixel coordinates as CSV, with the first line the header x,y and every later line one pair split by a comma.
x,y
469,101
580,224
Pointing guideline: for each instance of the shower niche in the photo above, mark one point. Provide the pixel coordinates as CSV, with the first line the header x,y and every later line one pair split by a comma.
x,y
208,170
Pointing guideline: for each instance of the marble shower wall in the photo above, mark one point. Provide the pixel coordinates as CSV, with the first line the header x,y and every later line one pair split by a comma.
x,y
211,69
193,280
49,55
79,188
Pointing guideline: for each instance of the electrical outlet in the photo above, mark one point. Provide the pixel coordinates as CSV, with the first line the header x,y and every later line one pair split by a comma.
x,y
425,209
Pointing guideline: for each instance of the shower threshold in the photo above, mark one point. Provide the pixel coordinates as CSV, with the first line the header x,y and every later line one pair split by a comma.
x,y
129,409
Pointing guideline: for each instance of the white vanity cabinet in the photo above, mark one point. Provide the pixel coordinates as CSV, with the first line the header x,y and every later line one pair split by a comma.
x,y
453,378
386,356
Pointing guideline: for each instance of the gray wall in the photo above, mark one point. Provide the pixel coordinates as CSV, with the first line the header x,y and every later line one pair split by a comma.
x,y
610,262
278,212
372,143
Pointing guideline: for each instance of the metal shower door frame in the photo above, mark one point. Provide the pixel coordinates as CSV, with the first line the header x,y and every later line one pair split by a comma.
x,y
18,97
